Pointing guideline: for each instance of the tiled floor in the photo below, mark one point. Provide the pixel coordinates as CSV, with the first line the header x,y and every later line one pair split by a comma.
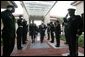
x,y
38,44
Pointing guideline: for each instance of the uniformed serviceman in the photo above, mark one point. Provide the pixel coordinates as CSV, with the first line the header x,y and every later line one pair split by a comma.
x,y
26,25
25,30
42,29
8,32
65,29
57,30
19,32
74,30
48,31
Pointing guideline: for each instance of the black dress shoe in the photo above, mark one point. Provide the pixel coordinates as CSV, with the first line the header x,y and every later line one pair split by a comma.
x,y
69,55
19,48
24,43
57,46
32,42
66,43
52,41
47,39
72,55
41,42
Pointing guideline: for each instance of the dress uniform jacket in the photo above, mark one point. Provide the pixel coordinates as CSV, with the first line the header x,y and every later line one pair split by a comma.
x,y
8,32
74,25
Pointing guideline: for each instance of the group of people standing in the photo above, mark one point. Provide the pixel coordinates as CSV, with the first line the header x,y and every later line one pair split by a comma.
x,y
51,30
34,30
73,29
54,31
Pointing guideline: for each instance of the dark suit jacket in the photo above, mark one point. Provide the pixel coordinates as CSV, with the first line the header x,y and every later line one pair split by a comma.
x,y
32,29
42,29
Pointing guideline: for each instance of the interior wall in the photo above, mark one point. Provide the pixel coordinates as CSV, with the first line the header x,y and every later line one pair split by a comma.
x,y
32,18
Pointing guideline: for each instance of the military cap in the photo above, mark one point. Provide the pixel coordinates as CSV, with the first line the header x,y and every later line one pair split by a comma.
x,y
10,6
71,9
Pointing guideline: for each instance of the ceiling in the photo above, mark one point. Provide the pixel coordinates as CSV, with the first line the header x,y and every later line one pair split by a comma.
x,y
38,8
5,3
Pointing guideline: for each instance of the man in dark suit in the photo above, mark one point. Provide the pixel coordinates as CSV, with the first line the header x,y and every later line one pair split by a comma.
x,y
8,32
52,31
42,29
74,30
32,31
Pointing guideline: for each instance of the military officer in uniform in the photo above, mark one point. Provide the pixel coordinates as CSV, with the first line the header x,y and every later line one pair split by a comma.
x,y
57,30
19,32
8,32
65,29
42,29
25,30
48,31
74,30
